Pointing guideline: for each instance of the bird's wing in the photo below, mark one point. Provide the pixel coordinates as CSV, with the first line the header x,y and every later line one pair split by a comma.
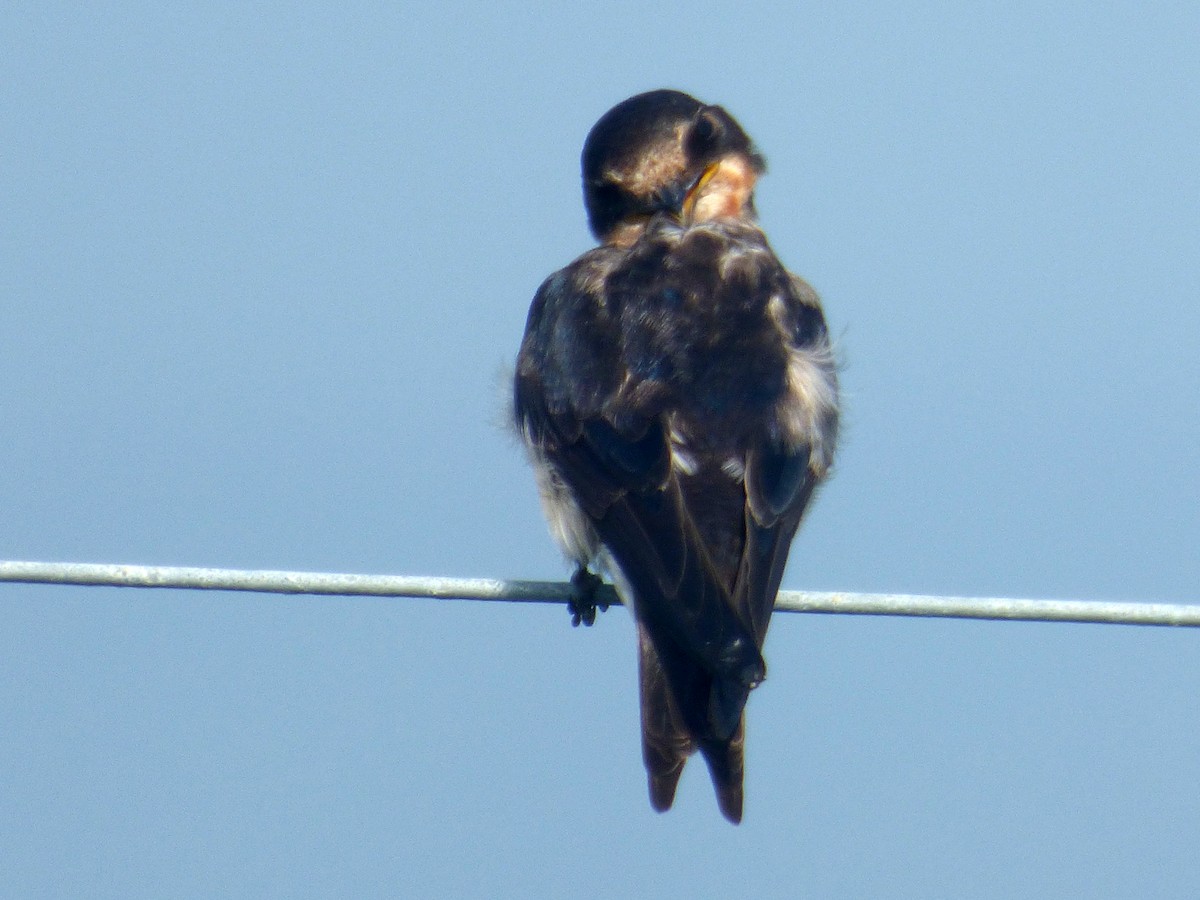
x,y
779,484
616,459
784,468
703,562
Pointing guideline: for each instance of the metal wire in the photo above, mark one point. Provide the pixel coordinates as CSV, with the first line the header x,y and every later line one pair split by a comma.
x,y
335,584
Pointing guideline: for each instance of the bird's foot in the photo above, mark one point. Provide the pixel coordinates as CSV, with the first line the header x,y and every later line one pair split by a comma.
x,y
582,604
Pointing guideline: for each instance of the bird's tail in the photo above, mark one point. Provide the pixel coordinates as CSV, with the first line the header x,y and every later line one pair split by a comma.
x,y
727,766
667,742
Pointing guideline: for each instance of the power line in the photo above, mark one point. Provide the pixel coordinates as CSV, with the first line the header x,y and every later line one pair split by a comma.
x,y
348,585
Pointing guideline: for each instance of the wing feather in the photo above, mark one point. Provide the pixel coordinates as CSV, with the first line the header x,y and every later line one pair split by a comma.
x,y
612,377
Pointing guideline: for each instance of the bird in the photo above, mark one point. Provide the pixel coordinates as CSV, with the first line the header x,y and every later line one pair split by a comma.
x,y
676,392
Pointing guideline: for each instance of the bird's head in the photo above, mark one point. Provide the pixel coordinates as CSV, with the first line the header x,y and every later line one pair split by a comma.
x,y
666,152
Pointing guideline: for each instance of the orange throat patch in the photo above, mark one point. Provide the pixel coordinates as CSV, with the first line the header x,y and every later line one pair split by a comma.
x,y
724,191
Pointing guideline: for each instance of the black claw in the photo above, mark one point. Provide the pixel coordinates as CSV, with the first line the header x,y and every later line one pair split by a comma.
x,y
582,604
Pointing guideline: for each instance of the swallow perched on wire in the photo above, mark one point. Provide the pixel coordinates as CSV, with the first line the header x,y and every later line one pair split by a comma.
x,y
677,393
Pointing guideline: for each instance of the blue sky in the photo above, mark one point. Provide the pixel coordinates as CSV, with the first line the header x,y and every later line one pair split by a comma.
x,y
262,272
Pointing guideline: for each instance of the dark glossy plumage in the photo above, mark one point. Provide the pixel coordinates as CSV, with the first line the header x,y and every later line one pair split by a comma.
x,y
676,391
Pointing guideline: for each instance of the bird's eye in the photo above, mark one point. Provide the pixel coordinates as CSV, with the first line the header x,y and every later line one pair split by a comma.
x,y
705,136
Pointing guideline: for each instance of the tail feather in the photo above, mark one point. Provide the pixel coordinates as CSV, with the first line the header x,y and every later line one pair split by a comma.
x,y
726,765
666,744
662,785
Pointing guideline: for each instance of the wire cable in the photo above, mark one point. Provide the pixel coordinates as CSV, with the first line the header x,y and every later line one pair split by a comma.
x,y
351,585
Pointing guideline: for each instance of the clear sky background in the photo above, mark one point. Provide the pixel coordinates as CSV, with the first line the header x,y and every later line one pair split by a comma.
x,y
262,272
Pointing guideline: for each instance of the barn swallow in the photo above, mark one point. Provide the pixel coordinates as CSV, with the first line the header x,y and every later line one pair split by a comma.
x,y
677,393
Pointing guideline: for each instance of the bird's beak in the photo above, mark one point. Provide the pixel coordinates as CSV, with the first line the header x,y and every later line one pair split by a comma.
x,y
693,193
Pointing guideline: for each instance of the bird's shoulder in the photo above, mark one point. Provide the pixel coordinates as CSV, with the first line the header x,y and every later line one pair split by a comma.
x,y
570,356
